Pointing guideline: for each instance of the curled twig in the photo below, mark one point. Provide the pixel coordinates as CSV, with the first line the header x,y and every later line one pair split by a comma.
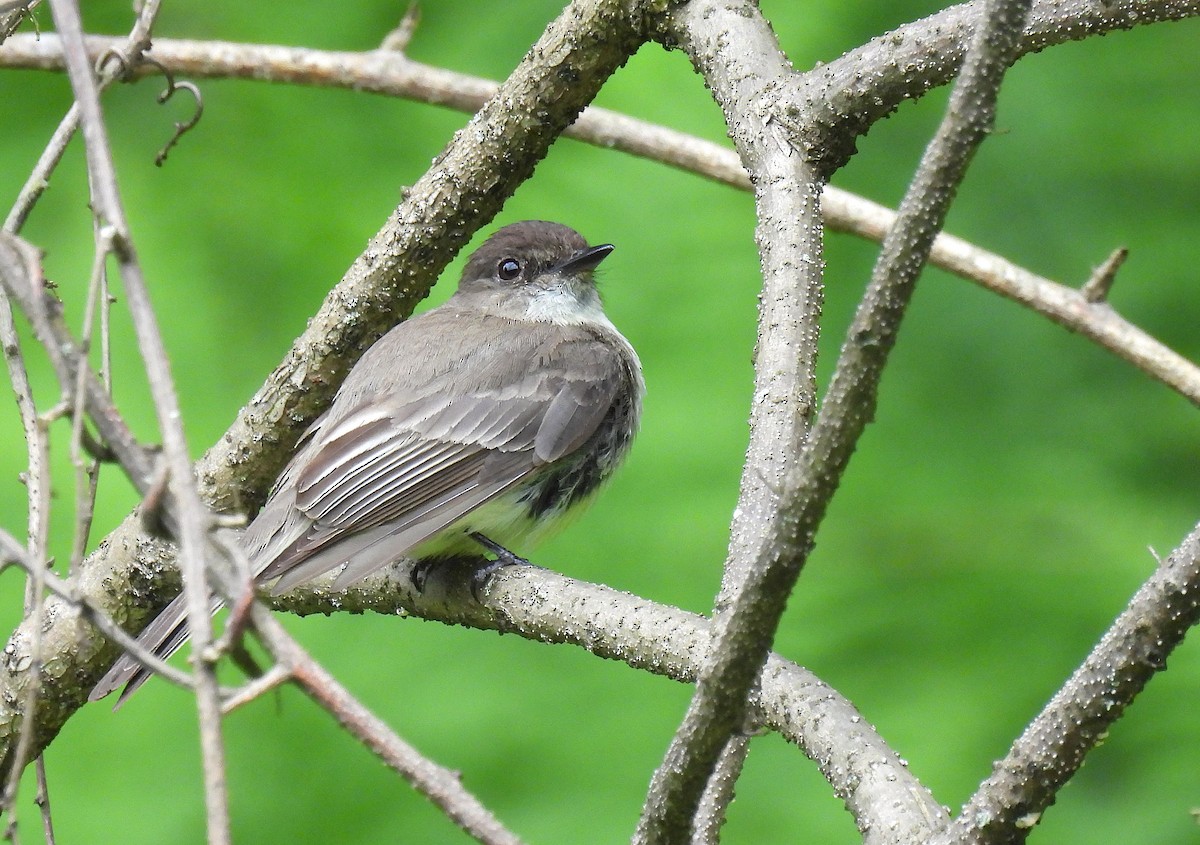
x,y
174,85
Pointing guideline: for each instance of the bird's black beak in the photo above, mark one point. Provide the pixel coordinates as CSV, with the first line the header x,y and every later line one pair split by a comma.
x,y
586,259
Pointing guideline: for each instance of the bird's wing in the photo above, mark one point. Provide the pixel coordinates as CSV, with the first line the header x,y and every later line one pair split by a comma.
x,y
388,475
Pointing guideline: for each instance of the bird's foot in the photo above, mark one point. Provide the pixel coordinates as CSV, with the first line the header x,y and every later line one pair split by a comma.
x,y
504,558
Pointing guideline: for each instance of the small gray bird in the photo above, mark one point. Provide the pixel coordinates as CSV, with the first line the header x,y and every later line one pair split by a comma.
x,y
481,421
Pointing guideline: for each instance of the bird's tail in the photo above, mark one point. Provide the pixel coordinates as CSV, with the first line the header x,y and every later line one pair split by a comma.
x,y
163,637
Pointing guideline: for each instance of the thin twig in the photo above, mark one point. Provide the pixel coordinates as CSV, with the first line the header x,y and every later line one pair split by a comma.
x,y
42,799
441,785
128,51
398,39
273,678
1061,303
192,526
292,662
38,487
22,280
86,468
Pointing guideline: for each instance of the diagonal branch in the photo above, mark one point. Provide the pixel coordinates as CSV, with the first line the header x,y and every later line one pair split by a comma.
x,y
1053,747
761,573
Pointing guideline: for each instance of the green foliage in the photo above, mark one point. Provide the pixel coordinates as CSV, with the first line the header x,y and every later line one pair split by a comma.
x,y
993,521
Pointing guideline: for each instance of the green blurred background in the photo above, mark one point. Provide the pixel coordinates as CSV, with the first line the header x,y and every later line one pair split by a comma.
x,y
995,518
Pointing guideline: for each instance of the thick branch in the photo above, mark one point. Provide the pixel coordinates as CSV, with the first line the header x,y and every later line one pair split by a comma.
x,y
848,95
544,606
787,513
732,46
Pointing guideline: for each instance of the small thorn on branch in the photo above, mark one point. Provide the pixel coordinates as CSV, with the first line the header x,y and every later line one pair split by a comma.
x,y
1096,288
397,40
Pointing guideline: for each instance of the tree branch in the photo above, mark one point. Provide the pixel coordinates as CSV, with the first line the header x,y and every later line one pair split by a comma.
x,y
1010,802
394,74
192,515
544,606
733,47
845,97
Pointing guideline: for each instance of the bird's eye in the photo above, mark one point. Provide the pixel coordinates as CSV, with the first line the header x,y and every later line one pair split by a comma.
x,y
508,269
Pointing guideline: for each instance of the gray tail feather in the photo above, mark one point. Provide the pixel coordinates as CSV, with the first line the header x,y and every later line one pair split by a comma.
x,y
163,636
276,526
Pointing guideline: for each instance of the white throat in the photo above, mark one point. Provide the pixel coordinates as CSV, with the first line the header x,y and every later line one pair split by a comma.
x,y
563,308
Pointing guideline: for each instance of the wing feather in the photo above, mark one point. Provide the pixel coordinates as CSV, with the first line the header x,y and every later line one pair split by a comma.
x,y
383,476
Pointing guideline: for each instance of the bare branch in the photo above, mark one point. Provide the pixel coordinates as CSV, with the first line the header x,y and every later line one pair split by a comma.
x,y
849,94
1063,304
192,523
544,606
42,799
737,53
1077,719
38,488
843,211
781,521
439,784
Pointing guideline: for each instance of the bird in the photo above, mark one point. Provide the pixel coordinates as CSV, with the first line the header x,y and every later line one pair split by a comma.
x,y
476,425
